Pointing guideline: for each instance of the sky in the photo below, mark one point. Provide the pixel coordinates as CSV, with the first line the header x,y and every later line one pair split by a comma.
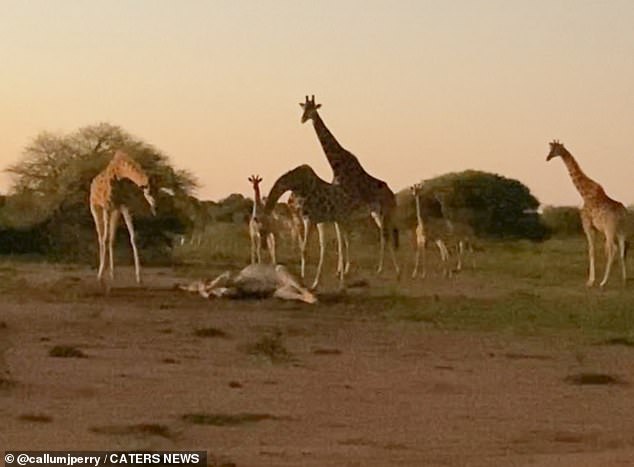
x,y
414,89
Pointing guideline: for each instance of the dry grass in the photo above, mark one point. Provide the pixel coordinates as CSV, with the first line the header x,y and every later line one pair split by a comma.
x,y
66,351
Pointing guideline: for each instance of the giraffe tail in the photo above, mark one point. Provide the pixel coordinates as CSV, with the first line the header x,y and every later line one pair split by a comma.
x,y
626,248
395,239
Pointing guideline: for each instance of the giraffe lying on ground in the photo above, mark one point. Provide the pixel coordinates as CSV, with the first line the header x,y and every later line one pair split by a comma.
x,y
599,212
365,189
254,281
106,210
322,203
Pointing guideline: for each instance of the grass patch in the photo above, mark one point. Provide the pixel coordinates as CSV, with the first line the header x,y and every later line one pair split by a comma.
x,y
321,351
523,313
593,379
210,332
624,341
270,346
66,351
37,418
227,419
7,384
523,356
144,429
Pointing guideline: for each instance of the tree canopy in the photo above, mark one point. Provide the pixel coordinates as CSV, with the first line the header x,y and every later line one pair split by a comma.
x,y
51,185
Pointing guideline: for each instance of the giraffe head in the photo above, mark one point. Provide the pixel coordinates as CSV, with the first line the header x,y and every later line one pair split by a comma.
x,y
557,149
416,189
310,108
255,181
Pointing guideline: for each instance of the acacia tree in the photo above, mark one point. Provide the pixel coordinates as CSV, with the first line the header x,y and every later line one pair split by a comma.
x,y
51,185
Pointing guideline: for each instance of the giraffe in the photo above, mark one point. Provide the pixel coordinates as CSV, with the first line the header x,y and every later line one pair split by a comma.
x,y
599,212
458,229
260,225
369,191
298,223
255,280
106,209
422,235
322,203
296,218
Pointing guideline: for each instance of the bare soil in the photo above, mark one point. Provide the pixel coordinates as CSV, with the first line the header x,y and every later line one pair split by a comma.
x,y
287,384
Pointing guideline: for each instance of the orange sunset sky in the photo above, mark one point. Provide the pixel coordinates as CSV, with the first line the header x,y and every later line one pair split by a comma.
x,y
413,88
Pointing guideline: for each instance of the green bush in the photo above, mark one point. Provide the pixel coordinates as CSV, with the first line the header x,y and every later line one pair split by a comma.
x,y
562,220
493,205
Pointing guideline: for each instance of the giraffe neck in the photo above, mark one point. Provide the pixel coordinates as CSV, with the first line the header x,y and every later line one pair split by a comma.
x,y
329,143
301,181
586,187
257,201
419,217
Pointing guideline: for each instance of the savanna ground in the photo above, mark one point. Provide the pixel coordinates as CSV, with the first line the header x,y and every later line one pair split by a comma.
x,y
513,363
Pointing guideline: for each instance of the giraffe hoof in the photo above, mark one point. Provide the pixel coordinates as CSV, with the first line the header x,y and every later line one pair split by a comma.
x,y
589,283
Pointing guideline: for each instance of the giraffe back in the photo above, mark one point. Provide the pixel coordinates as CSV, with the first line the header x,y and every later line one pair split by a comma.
x,y
120,167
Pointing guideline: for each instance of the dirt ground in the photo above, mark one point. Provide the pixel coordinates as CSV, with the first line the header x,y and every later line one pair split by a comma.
x,y
285,384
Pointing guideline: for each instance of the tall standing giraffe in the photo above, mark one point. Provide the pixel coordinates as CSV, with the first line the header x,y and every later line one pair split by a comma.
x,y
599,212
260,225
369,191
106,210
322,203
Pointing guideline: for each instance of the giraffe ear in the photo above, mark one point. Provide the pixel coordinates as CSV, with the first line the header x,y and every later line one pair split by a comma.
x,y
317,106
302,105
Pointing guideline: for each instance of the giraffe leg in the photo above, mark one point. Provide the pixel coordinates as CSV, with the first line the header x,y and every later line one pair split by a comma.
x,y
345,261
112,235
103,243
346,244
589,231
610,252
622,257
444,257
270,241
99,227
420,253
258,247
378,219
340,266
339,258
322,248
303,245
127,217
253,247
460,254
